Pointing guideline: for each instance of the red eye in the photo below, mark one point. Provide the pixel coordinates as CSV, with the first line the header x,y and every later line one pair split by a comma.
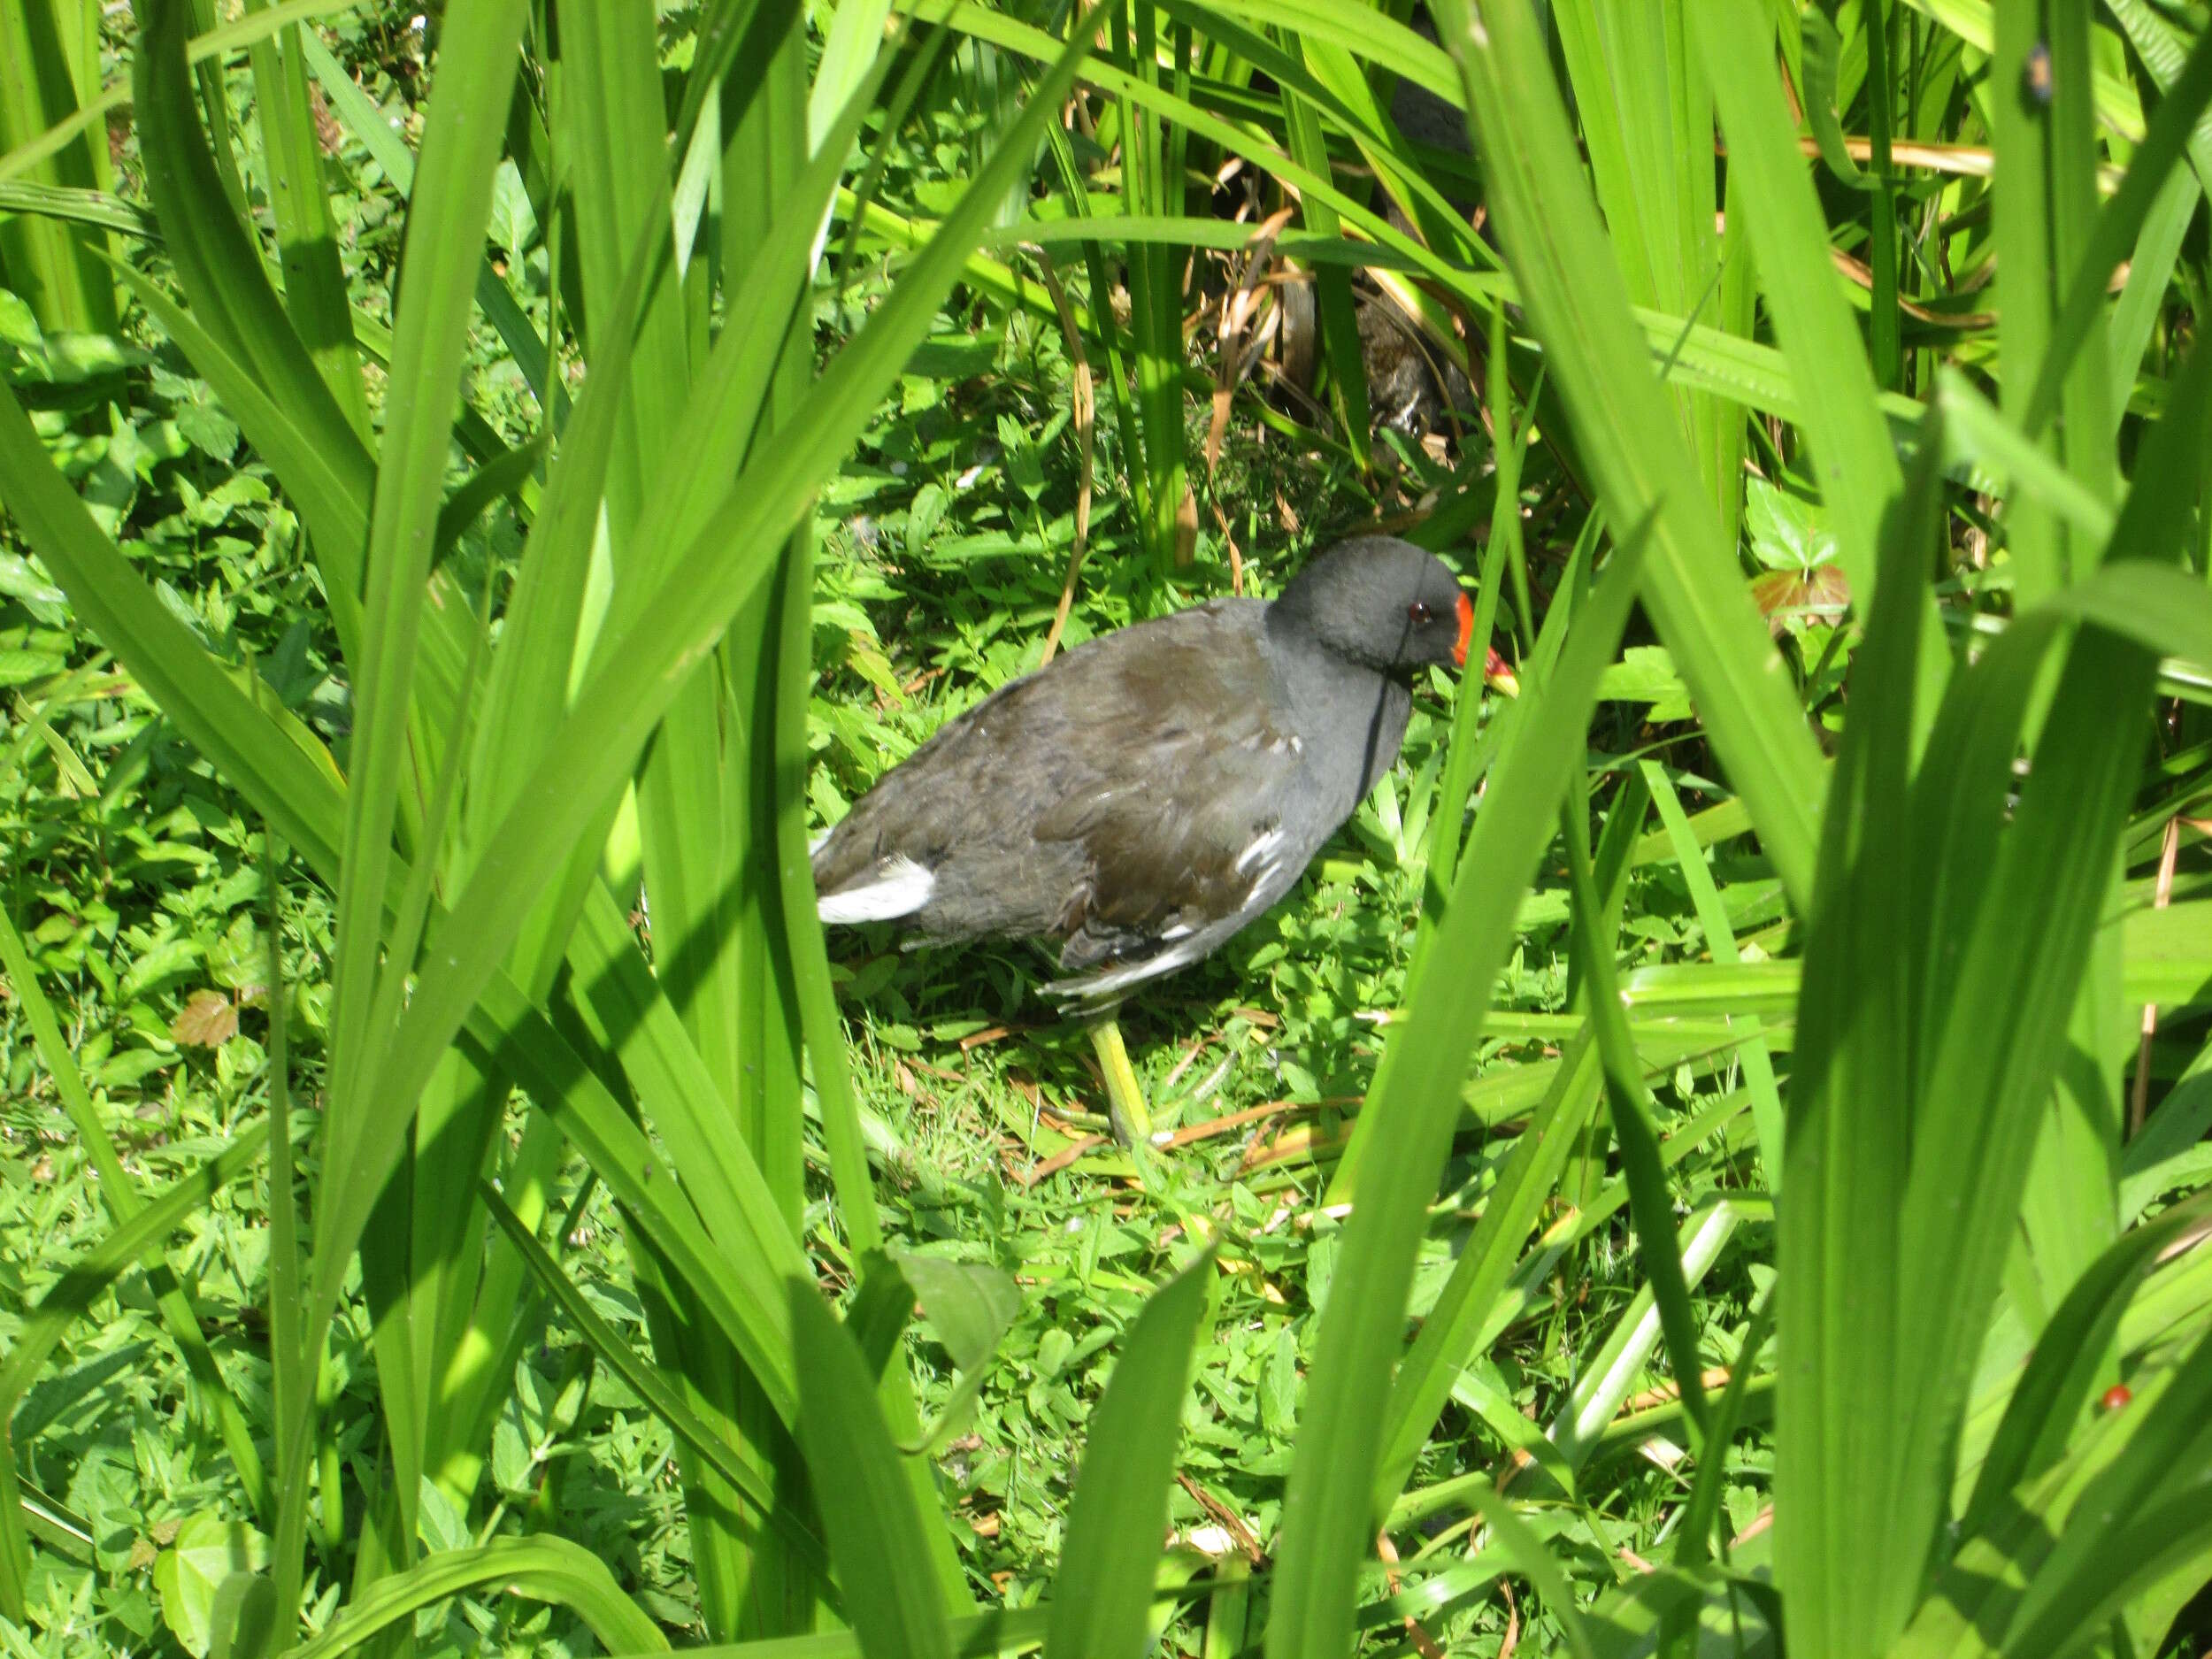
x,y
1418,611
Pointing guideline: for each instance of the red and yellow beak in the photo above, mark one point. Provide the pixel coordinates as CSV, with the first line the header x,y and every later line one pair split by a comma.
x,y
1496,673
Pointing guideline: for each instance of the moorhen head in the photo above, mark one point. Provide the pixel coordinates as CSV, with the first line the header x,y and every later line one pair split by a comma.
x,y
1153,791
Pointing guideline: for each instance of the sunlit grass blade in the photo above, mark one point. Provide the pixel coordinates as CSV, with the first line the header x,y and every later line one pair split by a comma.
x,y
2070,1351
453,204
50,66
544,1568
1329,1503
875,1526
1646,118
1104,1589
306,230
2067,1549
2041,229
1624,429
1720,943
1853,456
2037,915
1466,1307
123,1201
1850,1140
1650,1205
2119,223
684,616
67,1302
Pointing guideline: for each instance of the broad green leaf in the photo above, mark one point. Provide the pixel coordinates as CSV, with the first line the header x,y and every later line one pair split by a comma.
x,y
892,1596
1104,1589
542,1568
207,1550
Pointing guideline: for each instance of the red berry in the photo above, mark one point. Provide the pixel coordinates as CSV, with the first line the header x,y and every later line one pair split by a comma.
x,y
2117,1397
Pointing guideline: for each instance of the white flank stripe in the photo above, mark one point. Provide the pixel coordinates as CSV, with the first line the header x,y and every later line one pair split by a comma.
x,y
1258,850
899,887
1112,980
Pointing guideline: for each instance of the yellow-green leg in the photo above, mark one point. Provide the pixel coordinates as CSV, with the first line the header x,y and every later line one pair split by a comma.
x,y
1124,1095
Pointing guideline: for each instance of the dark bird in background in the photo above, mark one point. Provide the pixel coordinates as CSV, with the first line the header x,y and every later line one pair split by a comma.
x,y
1154,791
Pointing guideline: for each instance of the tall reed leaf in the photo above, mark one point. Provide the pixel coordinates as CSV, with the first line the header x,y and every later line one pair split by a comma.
x,y
1624,427
1414,1103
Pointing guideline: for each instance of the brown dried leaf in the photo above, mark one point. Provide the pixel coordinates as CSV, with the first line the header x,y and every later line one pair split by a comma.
x,y
208,1021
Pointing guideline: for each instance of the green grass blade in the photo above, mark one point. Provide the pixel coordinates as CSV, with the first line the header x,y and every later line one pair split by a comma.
x,y
1970,1156
1332,285
1650,1206
1414,1100
1103,1592
306,233
612,133
1624,427
389,151
216,260
58,274
292,1370
453,204
2150,269
120,1197
1720,942
683,617
65,1303
1450,1332
893,1599
1153,184
2069,1354
2041,228
1839,1560
2163,50
1853,456
544,1568
733,1463
2119,225
2068,1549
214,43
1604,1381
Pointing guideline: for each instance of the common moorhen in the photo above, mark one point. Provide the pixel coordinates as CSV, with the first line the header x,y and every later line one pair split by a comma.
x,y
1156,789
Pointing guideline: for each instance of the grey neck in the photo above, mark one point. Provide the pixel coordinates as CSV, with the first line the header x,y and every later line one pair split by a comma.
x,y
1341,708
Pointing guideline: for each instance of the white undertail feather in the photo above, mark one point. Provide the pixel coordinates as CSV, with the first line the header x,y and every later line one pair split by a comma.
x,y
897,887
